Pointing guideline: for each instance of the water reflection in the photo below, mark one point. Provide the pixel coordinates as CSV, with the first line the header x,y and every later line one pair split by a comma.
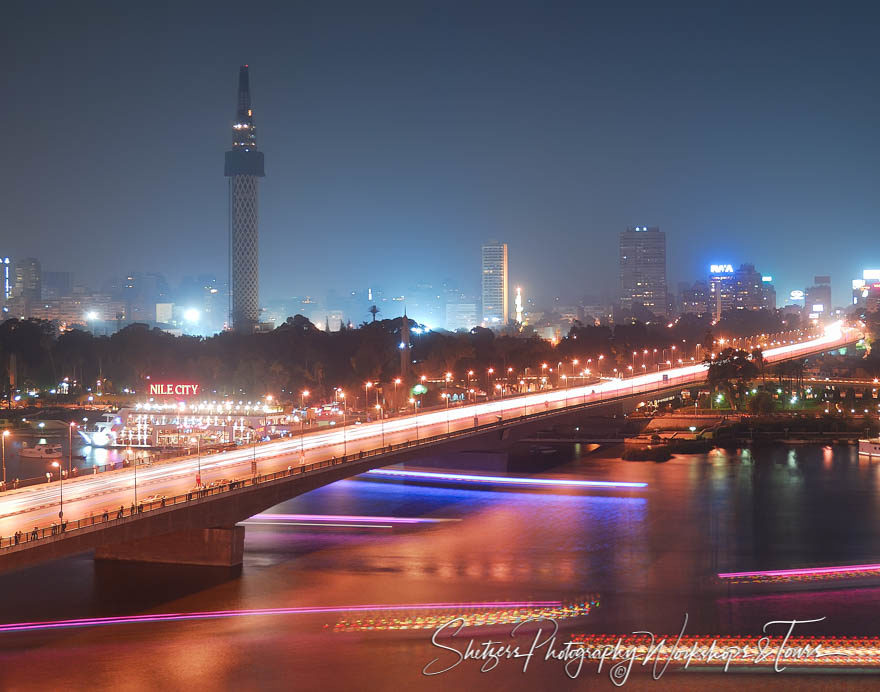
x,y
653,557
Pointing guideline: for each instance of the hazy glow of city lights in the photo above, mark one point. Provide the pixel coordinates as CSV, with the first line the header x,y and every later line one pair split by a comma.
x,y
191,315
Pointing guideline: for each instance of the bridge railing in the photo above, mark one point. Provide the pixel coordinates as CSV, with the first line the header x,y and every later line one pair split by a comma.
x,y
62,529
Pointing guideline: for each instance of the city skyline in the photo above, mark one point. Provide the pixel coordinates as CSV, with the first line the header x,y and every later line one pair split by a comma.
x,y
561,214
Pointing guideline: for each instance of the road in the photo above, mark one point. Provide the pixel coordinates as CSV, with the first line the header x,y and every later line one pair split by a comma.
x,y
24,508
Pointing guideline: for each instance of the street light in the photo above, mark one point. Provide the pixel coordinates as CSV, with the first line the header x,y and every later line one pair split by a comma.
x,y
381,422
344,414
397,381
488,373
468,376
367,386
61,503
69,448
445,395
4,436
135,479
416,414
198,441
302,421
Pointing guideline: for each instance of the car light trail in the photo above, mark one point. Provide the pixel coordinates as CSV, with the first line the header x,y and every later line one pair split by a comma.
x,y
504,480
327,443
214,614
802,574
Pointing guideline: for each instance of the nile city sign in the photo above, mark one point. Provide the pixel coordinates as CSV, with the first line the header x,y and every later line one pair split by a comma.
x,y
173,389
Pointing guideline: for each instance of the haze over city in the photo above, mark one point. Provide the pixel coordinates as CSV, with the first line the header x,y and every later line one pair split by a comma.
x,y
410,133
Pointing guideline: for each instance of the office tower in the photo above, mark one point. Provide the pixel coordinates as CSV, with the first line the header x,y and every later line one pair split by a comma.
x,y
747,284
768,293
643,270
694,299
244,166
494,284
817,298
57,285
27,289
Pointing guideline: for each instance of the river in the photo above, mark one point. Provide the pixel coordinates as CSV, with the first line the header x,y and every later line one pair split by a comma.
x,y
642,557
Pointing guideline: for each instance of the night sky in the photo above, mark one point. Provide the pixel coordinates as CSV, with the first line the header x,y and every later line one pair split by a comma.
x,y
400,136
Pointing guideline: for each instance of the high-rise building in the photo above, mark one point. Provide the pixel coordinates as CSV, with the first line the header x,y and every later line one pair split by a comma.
x,y
695,299
244,166
494,284
643,270
57,285
768,293
817,298
747,284
28,279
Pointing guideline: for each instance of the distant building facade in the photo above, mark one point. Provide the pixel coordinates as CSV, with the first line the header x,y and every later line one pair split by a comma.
x,y
817,298
643,270
494,284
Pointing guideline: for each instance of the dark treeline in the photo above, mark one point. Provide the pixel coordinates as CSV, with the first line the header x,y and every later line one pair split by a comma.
x,y
297,355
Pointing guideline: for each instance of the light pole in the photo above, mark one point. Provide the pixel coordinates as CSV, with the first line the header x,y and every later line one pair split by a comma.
x,y
367,386
344,414
397,381
302,422
446,396
381,422
488,373
416,414
135,479
69,448
468,376
198,442
61,503
4,436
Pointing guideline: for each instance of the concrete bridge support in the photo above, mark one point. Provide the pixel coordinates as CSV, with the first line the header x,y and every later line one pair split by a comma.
x,y
217,547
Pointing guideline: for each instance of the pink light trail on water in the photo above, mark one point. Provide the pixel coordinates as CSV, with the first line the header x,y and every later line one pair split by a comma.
x,y
172,617
806,571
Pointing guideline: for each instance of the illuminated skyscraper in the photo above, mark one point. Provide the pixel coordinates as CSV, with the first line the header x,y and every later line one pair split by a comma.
x,y
495,284
244,165
643,270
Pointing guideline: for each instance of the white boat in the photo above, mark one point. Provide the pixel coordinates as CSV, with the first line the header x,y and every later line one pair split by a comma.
x,y
104,432
41,451
870,448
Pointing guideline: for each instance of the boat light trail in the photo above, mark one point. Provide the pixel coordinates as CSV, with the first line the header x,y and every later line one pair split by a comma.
x,y
504,480
214,614
346,517
802,574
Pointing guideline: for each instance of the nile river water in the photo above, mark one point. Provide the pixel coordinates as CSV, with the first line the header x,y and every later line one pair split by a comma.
x,y
646,556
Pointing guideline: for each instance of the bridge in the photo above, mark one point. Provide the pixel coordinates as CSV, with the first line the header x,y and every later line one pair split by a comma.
x,y
157,514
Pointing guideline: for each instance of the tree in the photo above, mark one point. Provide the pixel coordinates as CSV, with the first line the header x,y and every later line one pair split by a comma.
x,y
730,372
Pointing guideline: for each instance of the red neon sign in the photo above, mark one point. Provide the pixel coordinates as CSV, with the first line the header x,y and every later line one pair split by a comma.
x,y
173,389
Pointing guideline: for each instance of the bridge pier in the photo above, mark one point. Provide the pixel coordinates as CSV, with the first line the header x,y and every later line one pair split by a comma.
x,y
217,547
